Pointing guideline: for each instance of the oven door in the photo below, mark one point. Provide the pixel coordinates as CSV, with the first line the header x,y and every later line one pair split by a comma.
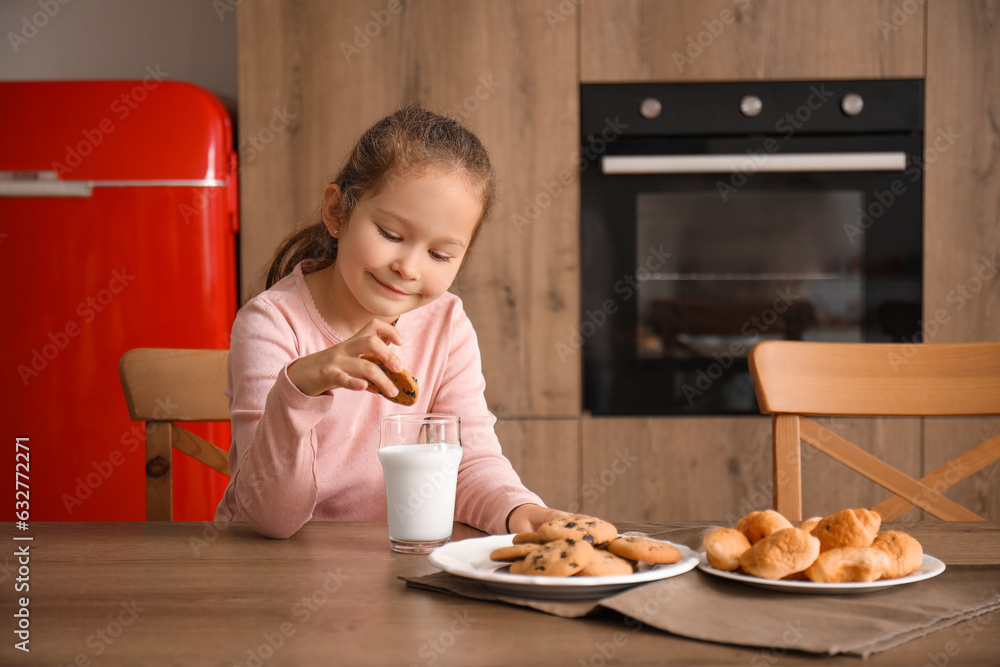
x,y
695,249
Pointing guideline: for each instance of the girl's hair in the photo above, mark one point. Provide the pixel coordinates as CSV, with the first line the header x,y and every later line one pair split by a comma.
x,y
402,143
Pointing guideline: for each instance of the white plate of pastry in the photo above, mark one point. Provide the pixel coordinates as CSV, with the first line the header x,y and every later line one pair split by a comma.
x,y
841,553
930,567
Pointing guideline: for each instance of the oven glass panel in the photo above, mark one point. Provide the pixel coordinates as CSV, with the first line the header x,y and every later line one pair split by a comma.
x,y
718,276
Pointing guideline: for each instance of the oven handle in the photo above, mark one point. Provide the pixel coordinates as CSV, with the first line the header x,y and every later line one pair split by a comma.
x,y
750,163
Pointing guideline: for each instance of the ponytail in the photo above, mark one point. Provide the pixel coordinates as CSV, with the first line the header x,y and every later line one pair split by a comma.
x,y
311,242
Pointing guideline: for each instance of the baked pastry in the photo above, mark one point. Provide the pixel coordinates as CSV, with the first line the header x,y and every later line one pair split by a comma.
x,y
580,527
847,528
644,549
517,567
723,548
904,552
810,523
848,564
584,546
514,552
405,383
758,525
780,554
560,558
606,564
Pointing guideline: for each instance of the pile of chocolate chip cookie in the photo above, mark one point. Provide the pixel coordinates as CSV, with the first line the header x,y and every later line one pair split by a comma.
x,y
582,546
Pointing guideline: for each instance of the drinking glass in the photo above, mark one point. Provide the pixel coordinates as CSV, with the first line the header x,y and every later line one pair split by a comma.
x,y
420,454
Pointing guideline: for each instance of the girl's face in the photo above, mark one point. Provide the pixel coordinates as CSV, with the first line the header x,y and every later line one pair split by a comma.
x,y
403,245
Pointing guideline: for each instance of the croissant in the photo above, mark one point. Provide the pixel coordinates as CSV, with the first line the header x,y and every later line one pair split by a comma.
x,y
780,554
723,548
849,564
847,528
810,523
904,552
758,525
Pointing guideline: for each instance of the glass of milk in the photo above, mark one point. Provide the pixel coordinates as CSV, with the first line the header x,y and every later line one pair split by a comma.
x,y
420,454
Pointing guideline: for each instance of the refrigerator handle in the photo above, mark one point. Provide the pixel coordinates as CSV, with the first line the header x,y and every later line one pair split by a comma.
x,y
41,184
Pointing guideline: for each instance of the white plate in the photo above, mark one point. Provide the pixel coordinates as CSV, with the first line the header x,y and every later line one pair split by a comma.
x,y
471,559
930,567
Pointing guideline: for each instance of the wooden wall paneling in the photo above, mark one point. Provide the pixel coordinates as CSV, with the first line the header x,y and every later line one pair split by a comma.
x,y
521,285
501,68
267,61
731,40
719,468
546,455
962,173
962,213
708,468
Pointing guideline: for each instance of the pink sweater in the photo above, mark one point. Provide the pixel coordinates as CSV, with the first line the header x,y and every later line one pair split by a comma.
x,y
296,457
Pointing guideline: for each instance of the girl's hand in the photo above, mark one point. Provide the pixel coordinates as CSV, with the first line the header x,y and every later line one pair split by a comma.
x,y
341,366
527,518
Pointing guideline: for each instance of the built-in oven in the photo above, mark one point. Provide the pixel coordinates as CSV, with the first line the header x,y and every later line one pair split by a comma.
x,y
717,215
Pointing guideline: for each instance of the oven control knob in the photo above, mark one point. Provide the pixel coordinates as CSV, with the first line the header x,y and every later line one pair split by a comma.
x,y
751,106
852,104
650,108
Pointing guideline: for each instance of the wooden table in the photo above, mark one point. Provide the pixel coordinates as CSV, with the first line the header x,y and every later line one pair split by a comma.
x,y
188,594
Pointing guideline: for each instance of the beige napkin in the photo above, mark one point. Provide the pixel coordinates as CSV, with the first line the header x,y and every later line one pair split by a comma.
x,y
701,606
442,582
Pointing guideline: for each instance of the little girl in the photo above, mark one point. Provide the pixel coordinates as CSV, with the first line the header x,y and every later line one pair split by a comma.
x,y
397,224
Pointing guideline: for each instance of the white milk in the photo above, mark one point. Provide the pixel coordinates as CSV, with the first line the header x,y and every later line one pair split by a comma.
x,y
420,490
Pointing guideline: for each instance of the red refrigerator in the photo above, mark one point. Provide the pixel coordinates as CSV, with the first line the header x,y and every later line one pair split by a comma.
x,y
118,222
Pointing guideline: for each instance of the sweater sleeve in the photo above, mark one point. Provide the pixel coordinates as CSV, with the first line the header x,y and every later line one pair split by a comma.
x,y
488,487
273,454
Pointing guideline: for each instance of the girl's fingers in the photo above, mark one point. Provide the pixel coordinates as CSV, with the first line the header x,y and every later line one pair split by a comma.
x,y
375,338
383,330
373,373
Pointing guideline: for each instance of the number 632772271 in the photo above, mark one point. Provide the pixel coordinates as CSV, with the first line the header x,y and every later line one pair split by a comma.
x,y
21,470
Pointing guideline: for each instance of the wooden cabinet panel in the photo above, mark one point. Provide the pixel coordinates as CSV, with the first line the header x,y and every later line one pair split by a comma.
x,y
274,185
546,455
732,40
962,213
719,469
499,67
962,173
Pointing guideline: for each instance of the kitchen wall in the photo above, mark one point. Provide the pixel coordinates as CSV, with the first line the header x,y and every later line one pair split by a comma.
x,y
321,71
511,71
183,40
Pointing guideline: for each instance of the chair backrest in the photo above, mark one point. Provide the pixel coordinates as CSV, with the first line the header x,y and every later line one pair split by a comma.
x,y
166,386
793,379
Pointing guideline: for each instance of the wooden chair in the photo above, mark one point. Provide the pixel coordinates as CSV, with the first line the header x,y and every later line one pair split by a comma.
x,y
793,379
165,386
